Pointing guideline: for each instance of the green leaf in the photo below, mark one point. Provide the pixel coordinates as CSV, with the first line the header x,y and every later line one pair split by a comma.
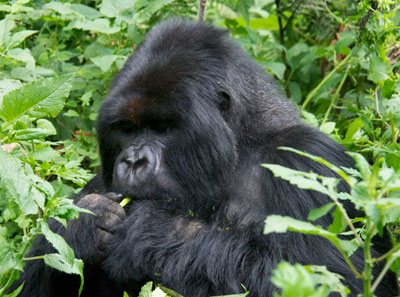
x,y
19,37
304,180
317,213
23,55
354,127
58,262
58,243
17,184
146,290
46,96
339,223
98,25
361,164
152,7
32,133
105,62
282,224
327,127
379,70
16,292
276,68
6,25
306,281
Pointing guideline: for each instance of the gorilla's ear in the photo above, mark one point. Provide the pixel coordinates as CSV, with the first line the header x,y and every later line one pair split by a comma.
x,y
224,104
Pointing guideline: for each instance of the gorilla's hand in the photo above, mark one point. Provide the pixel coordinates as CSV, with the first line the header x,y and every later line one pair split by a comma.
x,y
90,233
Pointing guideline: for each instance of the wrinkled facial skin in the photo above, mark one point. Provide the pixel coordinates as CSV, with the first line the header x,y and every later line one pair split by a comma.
x,y
157,153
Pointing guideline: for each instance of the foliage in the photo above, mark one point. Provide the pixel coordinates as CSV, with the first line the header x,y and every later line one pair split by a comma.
x,y
337,59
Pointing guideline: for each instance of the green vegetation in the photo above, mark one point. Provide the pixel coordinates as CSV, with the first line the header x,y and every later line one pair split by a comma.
x,y
338,60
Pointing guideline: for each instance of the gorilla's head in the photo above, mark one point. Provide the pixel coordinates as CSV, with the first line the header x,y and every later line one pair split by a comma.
x,y
179,115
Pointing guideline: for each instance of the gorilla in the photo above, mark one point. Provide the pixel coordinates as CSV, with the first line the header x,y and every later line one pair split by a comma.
x,y
182,132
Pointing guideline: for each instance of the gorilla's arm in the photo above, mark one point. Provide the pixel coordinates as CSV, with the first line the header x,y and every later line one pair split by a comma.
x,y
87,235
219,257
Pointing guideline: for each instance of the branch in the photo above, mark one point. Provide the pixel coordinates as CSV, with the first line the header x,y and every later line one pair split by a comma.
x,y
364,20
202,10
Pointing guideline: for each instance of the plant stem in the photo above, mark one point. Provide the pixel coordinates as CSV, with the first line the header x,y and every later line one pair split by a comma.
x,y
326,78
334,99
367,273
383,272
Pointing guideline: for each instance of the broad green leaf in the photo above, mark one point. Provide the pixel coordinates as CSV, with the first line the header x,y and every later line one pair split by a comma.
x,y
353,128
304,180
331,166
317,213
158,293
339,223
6,25
98,25
327,127
153,6
19,37
276,68
86,11
23,55
58,262
379,70
146,290
61,8
7,85
14,179
113,9
361,164
46,96
306,281
282,224
105,62
58,243
32,133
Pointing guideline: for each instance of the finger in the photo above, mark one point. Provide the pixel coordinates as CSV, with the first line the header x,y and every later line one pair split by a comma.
x,y
109,220
117,197
104,239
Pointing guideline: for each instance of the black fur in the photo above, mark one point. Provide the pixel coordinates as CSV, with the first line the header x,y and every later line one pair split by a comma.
x,y
184,129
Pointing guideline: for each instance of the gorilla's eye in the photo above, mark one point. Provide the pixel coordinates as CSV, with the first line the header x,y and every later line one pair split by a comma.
x,y
125,127
225,103
164,126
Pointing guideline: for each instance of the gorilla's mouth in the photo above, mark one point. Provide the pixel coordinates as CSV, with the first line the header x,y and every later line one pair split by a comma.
x,y
135,167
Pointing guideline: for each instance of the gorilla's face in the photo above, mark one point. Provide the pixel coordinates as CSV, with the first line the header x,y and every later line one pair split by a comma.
x,y
168,143
165,127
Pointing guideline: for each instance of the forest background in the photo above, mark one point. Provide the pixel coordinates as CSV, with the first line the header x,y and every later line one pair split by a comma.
x,y
338,60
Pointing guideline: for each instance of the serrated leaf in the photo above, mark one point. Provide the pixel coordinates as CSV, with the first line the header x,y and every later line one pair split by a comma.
x,y
58,243
98,25
58,262
304,180
105,62
317,213
23,55
339,223
61,8
14,179
361,164
6,25
379,70
151,8
32,133
282,224
46,96
146,290
19,37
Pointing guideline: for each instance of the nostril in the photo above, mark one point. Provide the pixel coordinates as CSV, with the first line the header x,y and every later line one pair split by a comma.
x,y
139,163
136,163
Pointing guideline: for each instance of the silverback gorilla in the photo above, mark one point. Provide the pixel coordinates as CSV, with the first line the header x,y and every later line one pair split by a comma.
x,y
183,131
